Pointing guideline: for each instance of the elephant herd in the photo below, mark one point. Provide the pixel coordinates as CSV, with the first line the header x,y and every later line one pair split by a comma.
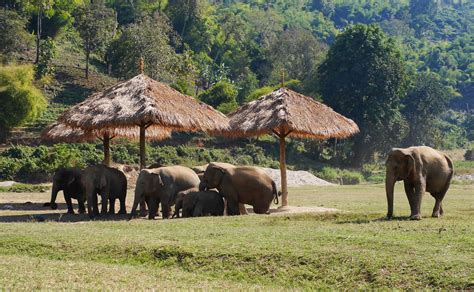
x,y
213,188
202,191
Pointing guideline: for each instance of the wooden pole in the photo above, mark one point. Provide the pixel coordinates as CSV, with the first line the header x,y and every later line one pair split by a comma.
x,y
142,147
284,186
106,143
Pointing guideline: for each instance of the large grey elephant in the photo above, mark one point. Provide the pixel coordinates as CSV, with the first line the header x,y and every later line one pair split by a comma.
x,y
422,169
161,185
241,184
109,183
195,203
68,180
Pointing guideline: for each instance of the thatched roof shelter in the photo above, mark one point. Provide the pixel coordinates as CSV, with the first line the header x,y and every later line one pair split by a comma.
x,y
145,103
285,112
60,132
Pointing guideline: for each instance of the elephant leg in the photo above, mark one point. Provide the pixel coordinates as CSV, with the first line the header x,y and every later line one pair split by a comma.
x,y
165,210
438,207
242,209
112,206
95,205
80,201
198,210
410,192
123,208
232,207
104,200
415,210
67,198
152,207
143,204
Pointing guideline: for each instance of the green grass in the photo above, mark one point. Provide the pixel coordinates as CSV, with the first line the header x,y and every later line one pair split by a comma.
x,y
352,249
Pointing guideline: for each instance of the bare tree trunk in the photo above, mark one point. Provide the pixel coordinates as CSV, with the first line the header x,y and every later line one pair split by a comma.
x,y
87,63
106,149
38,34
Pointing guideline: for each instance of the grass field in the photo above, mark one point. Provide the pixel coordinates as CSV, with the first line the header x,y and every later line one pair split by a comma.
x,y
356,248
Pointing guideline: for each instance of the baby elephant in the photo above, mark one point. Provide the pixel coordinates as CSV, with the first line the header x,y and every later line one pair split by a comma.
x,y
197,203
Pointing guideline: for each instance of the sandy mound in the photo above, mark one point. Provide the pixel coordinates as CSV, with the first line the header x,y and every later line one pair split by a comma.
x,y
296,178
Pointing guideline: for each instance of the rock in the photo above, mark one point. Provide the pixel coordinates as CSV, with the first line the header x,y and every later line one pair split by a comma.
x,y
7,183
8,207
296,178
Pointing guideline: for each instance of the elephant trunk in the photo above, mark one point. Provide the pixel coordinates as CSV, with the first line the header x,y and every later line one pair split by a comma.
x,y
54,194
202,187
389,186
136,201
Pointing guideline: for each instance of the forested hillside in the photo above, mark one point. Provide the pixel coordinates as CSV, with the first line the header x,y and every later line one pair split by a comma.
x,y
403,70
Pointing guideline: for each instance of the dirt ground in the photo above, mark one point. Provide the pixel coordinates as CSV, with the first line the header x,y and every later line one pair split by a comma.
x,y
21,207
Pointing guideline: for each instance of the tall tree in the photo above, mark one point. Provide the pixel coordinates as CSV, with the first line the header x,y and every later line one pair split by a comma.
x,y
426,100
150,38
13,35
96,25
364,78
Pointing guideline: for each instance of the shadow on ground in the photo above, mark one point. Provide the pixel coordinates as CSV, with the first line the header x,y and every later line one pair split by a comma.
x,y
60,217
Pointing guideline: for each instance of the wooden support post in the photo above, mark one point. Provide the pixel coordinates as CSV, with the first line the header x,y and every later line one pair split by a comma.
x,y
142,147
284,186
106,142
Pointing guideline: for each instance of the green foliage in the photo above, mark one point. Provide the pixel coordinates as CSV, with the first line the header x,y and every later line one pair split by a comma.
x,y
25,188
20,100
367,69
45,62
13,34
424,104
222,93
258,93
150,38
339,176
96,26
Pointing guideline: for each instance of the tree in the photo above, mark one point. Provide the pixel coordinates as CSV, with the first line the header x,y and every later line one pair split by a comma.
x,y
425,102
96,25
150,38
13,35
298,53
428,7
221,96
363,78
20,100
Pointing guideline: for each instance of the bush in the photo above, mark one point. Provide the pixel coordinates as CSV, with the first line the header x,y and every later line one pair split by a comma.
x,y
258,93
13,34
20,100
221,93
343,177
351,177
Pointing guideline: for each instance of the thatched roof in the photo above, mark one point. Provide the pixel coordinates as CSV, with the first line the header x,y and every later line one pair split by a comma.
x,y
63,133
142,101
286,111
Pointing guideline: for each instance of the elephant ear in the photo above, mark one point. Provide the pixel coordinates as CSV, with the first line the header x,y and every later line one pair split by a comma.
x,y
157,176
410,162
70,180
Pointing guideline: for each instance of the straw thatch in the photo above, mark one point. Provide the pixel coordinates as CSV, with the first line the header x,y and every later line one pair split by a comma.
x,y
60,132
144,101
286,111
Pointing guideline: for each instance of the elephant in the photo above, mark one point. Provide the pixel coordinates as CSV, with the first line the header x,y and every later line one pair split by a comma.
x,y
109,183
68,180
197,203
422,169
241,184
161,185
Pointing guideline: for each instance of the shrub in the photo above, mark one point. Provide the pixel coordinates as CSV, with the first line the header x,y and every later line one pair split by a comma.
x,y
20,100
221,93
351,177
258,93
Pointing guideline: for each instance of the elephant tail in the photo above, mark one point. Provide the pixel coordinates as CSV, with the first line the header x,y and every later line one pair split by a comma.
x,y
275,193
450,164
